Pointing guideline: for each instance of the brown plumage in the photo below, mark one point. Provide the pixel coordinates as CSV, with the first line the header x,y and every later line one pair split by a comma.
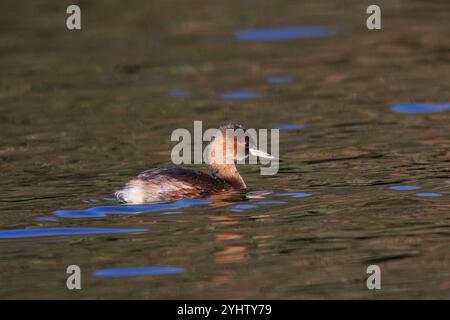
x,y
170,184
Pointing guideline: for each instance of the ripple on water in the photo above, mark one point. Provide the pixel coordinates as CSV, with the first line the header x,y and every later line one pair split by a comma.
x,y
428,194
137,271
404,188
52,219
284,33
289,126
278,79
242,207
111,199
294,194
261,194
90,201
270,202
46,232
103,211
179,93
255,204
241,95
421,107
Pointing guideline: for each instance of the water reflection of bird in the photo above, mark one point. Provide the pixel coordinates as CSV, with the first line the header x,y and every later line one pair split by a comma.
x,y
160,184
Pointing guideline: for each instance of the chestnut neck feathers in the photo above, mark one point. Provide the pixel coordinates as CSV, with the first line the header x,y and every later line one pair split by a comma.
x,y
220,148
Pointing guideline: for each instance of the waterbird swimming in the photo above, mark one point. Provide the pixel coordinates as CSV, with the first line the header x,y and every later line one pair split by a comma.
x,y
173,183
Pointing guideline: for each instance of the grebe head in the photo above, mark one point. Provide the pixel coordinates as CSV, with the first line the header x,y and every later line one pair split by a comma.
x,y
230,144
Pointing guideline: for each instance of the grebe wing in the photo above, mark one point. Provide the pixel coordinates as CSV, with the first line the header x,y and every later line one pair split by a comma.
x,y
169,184
182,175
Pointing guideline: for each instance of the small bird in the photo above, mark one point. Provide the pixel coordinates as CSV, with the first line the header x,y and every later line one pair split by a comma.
x,y
174,183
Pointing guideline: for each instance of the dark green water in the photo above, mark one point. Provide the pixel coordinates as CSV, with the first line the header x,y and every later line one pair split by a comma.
x,y
84,111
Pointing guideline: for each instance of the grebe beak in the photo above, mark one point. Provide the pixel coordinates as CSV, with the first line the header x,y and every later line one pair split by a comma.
x,y
261,154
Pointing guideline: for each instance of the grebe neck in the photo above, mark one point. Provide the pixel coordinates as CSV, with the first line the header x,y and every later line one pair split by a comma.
x,y
222,167
229,174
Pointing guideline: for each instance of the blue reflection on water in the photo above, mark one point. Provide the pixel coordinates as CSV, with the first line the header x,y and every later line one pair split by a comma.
x,y
404,188
278,79
430,194
294,194
137,271
421,107
179,93
102,211
242,207
111,199
255,204
90,201
241,95
46,219
45,232
270,202
289,126
284,33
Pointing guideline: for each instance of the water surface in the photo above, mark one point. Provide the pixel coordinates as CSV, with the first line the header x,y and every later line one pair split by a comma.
x,y
137,272
284,33
363,118
421,107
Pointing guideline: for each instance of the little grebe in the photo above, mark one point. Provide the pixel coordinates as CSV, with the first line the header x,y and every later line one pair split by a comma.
x,y
163,184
